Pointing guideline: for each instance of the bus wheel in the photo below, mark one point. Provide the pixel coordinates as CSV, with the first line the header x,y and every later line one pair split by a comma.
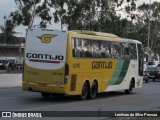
x,y
84,91
93,91
153,79
147,81
131,86
45,95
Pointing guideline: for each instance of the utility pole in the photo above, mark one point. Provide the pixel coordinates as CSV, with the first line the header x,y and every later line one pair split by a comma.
x,y
20,48
149,23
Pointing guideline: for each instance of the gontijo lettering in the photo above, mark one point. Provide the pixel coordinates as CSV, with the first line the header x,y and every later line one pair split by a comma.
x,y
101,65
44,56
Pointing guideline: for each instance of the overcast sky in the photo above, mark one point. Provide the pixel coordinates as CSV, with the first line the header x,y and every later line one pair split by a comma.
x,y
7,6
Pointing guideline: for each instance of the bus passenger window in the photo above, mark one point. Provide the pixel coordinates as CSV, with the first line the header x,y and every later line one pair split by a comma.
x,y
125,51
119,50
117,47
86,48
76,47
105,49
79,48
133,51
88,51
95,47
114,50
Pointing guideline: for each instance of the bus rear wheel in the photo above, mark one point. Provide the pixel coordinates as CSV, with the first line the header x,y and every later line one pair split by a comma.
x,y
84,91
93,90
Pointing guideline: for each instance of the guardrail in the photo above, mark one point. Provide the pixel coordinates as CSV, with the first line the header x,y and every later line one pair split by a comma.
x,y
10,71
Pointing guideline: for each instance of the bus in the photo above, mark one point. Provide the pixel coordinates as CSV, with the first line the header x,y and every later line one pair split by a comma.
x,y
81,63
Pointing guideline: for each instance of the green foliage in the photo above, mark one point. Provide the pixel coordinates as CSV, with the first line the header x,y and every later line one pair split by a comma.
x,y
7,31
76,14
154,41
28,10
96,15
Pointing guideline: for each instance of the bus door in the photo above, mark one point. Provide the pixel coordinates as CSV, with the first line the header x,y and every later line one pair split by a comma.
x,y
140,60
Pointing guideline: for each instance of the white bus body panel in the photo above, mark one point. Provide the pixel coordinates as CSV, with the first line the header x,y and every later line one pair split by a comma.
x,y
46,52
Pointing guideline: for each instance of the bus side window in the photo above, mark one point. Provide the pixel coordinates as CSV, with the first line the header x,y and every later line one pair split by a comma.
x,y
96,49
79,47
133,51
108,49
86,48
120,49
114,50
103,50
140,59
125,51
76,47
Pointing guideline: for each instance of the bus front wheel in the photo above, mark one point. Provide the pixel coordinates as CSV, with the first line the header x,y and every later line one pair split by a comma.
x,y
131,86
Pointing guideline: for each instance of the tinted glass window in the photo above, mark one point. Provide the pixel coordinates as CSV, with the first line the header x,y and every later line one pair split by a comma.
x,y
96,52
105,49
140,59
158,65
76,47
125,51
86,48
133,51
151,63
91,48
115,50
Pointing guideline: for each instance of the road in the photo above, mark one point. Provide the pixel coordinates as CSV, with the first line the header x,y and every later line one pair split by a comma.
x,y
143,99
146,98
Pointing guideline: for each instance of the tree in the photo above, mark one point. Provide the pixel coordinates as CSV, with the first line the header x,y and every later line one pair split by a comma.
x,y
28,10
155,24
7,31
75,14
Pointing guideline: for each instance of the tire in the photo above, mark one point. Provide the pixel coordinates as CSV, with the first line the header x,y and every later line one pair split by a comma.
x,y
153,79
147,81
85,90
93,90
45,95
131,86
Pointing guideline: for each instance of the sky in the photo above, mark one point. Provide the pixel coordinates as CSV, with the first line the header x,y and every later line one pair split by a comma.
x,y
7,6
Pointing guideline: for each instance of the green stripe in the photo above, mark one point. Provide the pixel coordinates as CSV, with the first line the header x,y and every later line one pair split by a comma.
x,y
123,72
117,72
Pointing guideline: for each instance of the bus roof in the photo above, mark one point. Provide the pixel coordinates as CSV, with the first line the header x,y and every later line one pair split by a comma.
x,y
98,34
102,34
94,33
131,40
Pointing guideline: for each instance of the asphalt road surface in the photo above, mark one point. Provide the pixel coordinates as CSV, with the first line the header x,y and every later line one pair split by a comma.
x,y
146,98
